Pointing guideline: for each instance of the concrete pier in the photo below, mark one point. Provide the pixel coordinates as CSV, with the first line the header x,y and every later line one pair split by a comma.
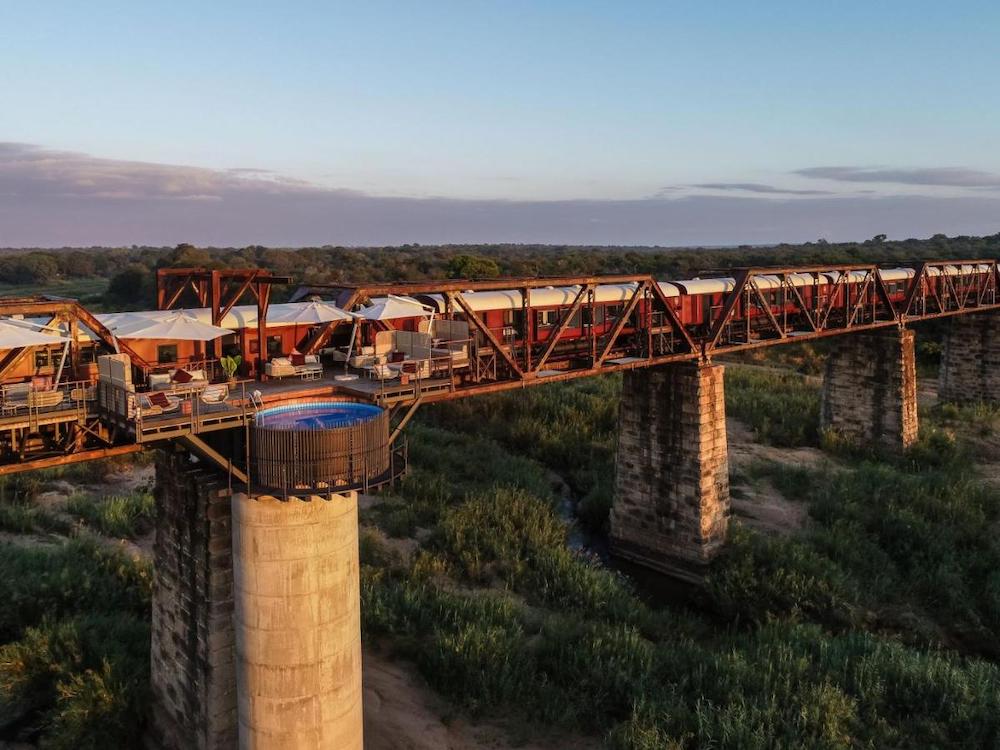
x,y
671,504
298,622
870,390
970,359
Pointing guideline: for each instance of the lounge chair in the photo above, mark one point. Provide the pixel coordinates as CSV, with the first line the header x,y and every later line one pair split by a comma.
x,y
45,399
154,404
382,372
308,366
190,380
215,395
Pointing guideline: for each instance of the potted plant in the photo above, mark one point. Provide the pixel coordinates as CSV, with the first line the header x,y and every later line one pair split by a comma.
x,y
230,365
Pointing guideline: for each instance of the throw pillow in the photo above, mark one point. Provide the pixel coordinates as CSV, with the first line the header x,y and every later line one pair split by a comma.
x,y
182,376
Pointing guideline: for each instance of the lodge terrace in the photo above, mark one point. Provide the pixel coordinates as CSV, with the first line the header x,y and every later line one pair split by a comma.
x,y
271,418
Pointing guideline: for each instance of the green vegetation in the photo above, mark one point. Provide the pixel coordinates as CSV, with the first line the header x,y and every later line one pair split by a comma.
x,y
116,516
781,407
873,627
75,629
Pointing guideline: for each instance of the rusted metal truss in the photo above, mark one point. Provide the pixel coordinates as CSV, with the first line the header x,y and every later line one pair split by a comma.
x,y
763,306
220,290
814,302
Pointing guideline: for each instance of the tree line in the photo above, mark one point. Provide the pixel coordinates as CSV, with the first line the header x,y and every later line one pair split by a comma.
x,y
131,271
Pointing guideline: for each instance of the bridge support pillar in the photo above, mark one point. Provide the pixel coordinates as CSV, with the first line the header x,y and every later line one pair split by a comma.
x,y
192,657
870,389
970,360
298,622
671,504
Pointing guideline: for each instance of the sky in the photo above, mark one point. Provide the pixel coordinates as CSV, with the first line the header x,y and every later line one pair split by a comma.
x,y
560,121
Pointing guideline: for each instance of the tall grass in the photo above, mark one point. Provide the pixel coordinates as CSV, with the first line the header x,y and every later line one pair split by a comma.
x,y
75,629
120,516
801,648
781,407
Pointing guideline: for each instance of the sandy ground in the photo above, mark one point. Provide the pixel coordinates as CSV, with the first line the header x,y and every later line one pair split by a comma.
x,y
758,503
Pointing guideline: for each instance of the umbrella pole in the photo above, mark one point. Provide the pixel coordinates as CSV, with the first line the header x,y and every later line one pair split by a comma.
x,y
350,344
62,362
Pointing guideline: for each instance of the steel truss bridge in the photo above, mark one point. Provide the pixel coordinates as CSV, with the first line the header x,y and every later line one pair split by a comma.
x,y
762,307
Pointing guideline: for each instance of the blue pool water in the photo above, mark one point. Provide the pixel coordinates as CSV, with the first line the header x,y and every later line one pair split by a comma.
x,y
321,415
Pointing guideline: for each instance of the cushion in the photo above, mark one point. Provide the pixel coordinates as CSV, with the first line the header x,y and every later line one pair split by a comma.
x,y
281,362
158,378
298,359
196,374
159,399
312,359
182,376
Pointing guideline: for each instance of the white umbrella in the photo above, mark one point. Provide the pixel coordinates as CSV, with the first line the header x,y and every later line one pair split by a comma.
x,y
177,326
390,308
307,313
16,336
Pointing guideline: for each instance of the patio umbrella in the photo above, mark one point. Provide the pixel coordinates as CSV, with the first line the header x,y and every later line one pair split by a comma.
x,y
177,326
387,308
16,335
391,308
307,313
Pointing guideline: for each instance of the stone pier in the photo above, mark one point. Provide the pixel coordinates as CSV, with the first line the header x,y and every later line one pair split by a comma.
x,y
870,389
970,360
671,503
193,677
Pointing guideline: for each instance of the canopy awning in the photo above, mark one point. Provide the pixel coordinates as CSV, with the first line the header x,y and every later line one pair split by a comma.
x,y
15,335
178,326
310,313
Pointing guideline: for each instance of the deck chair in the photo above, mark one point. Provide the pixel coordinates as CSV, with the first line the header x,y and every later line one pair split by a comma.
x,y
45,399
215,395
381,372
164,401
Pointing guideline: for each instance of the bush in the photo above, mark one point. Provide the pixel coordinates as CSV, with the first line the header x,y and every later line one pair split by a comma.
x,y
781,407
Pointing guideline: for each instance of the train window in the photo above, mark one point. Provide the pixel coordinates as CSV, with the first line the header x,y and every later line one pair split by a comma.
x,y
274,346
598,315
547,317
517,319
88,355
575,321
42,358
166,353
613,311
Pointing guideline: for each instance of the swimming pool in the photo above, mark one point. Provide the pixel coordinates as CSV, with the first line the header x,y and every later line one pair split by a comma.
x,y
317,415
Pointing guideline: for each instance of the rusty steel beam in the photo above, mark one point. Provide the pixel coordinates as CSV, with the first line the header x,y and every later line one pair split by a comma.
x,y
485,330
30,464
620,323
728,308
675,322
561,328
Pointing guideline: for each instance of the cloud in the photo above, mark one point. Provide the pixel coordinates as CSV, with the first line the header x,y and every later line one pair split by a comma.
x,y
55,198
936,176
28,170
756,187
